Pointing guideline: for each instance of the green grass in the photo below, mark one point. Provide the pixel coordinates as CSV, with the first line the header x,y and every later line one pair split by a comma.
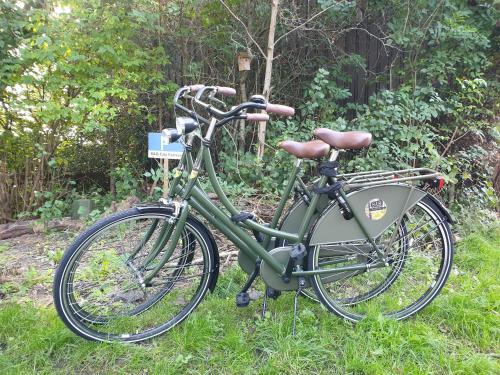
x,y
457,334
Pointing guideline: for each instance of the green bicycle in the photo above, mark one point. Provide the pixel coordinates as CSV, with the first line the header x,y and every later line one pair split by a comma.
x,y
367,243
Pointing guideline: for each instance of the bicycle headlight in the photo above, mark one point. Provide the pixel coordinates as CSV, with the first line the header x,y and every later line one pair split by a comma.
x,y
170,135
185,125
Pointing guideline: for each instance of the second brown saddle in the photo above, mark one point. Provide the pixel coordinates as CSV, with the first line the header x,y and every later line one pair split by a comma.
x,y
353,140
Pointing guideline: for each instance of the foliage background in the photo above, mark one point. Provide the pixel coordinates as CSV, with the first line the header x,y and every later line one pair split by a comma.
x,y
82,82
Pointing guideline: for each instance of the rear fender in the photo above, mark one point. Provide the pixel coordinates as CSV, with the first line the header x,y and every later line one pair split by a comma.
x,y
295,216
442,208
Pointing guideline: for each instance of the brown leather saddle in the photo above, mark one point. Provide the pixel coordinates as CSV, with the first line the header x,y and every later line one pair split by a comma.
x,y
306,150
353,140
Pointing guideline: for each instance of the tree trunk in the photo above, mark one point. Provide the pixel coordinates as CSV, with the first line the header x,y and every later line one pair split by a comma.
x,y
20,228
361,6
112,161
496,181
268,74
241,125
6,201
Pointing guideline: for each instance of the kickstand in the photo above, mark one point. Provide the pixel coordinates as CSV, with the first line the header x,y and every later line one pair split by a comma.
x,y
264,304
295,305
302,283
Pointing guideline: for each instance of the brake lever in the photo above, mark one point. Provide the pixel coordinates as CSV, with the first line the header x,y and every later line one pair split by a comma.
x,y
211,97
184,93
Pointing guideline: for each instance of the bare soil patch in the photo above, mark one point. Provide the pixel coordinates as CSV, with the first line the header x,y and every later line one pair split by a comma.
x,y
27,262
27,265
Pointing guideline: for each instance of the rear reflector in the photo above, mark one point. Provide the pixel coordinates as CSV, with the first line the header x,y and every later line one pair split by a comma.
x,y
440,182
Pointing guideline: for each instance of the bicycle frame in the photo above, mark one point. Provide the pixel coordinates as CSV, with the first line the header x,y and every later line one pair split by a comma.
x,y
186,165
192,195
344,226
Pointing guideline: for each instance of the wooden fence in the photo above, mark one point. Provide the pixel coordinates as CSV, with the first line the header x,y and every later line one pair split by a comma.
x,y
381,61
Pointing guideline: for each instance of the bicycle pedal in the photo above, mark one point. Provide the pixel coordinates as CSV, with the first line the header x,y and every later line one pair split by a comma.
x,y
272,293
242,299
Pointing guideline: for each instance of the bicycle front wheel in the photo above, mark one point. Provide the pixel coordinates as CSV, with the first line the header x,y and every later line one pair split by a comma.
x,y
100,290
419,262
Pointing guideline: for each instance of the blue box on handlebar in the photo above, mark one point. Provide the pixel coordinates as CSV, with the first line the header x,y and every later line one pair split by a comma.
x,y
160,148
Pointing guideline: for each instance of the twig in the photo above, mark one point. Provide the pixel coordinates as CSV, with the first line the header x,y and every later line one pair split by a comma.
x,y
306,21
407,17
244,26
450,143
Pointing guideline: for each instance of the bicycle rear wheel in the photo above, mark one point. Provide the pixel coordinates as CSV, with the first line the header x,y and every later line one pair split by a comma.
x,y
336,254
99,288
410,281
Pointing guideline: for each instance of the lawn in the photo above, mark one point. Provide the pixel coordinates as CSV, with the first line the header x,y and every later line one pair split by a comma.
x,y
458,333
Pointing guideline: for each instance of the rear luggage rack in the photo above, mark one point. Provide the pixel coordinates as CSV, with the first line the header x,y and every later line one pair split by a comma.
x,y
381,177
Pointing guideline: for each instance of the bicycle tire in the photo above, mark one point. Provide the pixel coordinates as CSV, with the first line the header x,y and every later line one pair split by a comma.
x,y
418,294
99,326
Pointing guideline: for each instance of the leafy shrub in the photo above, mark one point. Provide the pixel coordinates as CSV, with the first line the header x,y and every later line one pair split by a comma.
x,y
52,209
127,183
401,124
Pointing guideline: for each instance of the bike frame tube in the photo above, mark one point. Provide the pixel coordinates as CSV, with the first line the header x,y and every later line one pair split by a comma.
x,y
185,163
193,175
189,161
191,192
311,209
362,226
228,233
354,267
284,198
210,211
177,174
174,238
303,186
250,224
223,223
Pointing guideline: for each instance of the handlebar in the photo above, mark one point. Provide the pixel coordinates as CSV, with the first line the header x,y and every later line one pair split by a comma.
x,y
281,110
277,109
238,112
182,92
257,117
226,91
195,88
223,90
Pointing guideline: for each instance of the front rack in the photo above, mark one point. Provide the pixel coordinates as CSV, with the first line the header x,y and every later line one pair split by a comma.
x,y
382,177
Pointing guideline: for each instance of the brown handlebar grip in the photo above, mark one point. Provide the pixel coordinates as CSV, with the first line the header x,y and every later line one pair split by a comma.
x,y
257,117
195,88
279,109
227,91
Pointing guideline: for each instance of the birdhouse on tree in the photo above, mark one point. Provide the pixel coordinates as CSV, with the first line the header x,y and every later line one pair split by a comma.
x,y
244,60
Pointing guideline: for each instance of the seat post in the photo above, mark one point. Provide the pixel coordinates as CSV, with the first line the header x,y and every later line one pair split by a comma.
x,y
334,155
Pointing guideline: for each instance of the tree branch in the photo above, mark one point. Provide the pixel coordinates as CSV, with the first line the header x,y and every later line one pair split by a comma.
x,y
244,26
305,22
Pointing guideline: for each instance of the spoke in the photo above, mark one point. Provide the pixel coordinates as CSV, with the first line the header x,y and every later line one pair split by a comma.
x,y
415,257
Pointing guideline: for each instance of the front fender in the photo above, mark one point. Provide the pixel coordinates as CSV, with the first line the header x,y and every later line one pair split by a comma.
x,y
156,207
